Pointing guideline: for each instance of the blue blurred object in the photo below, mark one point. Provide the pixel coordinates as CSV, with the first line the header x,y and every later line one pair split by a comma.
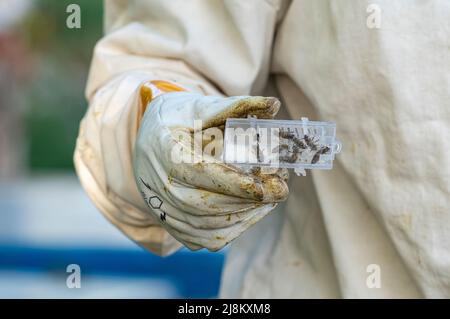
x,y
48,223
193,275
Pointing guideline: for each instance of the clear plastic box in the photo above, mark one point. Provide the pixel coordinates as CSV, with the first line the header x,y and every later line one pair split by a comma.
x,y
293,144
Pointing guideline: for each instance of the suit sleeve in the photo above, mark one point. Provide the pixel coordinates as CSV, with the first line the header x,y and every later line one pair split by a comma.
x,y
150,48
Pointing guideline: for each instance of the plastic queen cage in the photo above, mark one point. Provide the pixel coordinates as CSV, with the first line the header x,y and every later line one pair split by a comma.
x,y
294,144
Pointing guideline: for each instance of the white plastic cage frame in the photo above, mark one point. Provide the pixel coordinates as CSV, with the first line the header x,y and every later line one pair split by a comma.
x,y
267,135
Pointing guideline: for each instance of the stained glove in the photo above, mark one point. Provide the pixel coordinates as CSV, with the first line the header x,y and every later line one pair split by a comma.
x,y
203,203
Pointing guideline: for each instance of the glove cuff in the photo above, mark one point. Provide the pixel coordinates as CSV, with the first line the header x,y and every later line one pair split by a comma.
x,y
152,89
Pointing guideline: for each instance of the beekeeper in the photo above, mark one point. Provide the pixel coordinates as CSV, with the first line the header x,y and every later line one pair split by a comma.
x,y
377,225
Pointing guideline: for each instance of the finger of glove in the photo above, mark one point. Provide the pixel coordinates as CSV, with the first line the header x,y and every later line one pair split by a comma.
x,y
259,106
198,208
209,221
181,109
225,179
213,239
283,173
200,202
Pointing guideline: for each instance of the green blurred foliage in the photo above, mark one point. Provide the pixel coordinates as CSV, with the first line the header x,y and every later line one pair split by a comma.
x,y
54,99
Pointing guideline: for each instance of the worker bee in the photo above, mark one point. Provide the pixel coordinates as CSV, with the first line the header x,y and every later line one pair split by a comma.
x,y
316,157
296,149
294,155
286,134
289,158
291,136
299,143
311,142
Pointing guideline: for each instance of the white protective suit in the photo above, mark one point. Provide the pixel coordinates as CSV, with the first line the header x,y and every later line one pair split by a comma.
x,y
377,225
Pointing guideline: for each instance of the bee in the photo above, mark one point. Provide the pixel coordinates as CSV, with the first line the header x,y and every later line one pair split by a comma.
x,y
286,134
293,137
293,157
299,143
289,158
316,157
311,142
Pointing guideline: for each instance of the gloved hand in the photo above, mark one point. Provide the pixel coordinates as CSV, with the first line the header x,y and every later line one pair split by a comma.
x,y
205,204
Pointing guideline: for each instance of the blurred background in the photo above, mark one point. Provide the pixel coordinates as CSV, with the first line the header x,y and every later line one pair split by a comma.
x,y
46,220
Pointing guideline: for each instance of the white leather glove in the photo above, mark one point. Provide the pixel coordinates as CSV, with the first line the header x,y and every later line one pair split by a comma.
x,y
205,204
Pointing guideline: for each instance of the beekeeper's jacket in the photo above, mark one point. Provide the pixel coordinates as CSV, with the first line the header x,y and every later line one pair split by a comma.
x,y
378,224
